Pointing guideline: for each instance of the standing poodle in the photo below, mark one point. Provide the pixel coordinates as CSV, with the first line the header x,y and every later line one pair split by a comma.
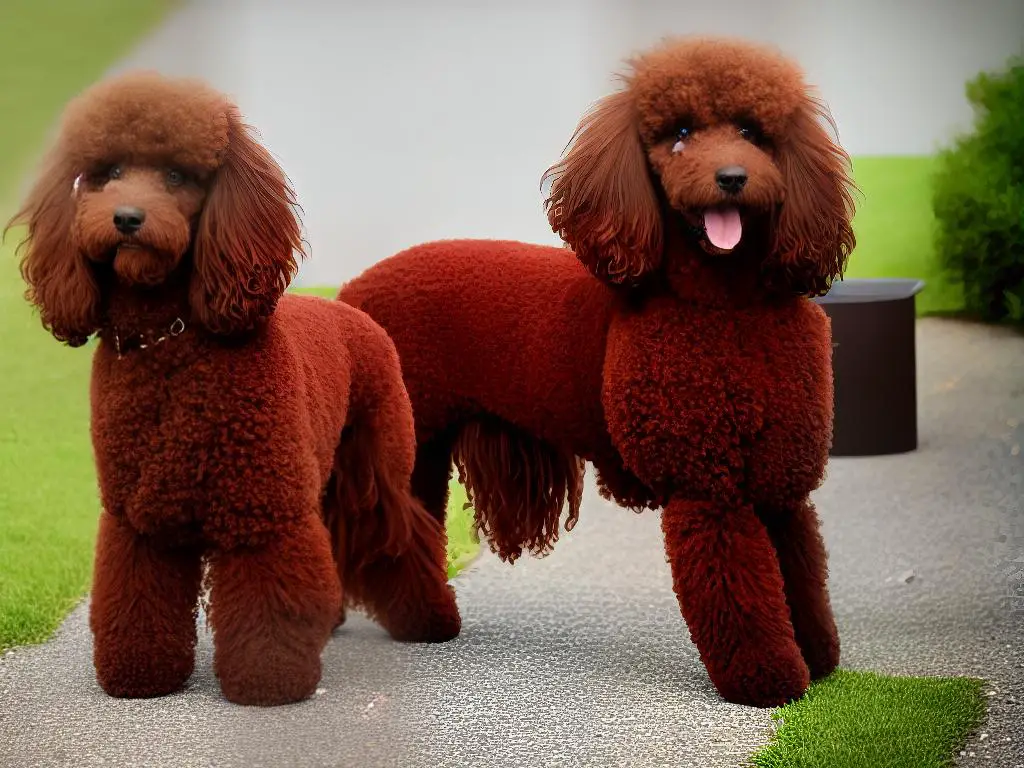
x,y
676,350
268,439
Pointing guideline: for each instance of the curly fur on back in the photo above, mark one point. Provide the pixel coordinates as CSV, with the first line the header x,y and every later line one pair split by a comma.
x,y
687,366
267,437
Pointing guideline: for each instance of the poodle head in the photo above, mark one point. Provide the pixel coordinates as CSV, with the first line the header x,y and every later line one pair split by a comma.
x,y
722,137
150,178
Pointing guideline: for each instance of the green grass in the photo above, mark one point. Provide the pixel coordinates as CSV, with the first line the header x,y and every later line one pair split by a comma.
x,y
48,502
49,49
895,226
857,719
463,542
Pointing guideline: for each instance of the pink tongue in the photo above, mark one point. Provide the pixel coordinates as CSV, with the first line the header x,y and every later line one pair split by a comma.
x,y
723,227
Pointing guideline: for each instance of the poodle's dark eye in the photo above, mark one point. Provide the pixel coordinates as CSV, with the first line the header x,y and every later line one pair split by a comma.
x,y
751,133
175,177
682,133
114,172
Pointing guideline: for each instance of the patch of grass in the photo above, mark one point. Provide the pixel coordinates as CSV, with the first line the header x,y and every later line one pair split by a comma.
x,y
49,50
463,541
48,498
857,719
322,291
895,228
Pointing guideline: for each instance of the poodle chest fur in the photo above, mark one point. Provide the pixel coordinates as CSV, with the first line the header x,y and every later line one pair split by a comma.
x,y
724,405
190,439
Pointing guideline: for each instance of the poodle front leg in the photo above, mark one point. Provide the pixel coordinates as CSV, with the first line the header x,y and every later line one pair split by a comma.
x,y
804,563
272,609
143,612
730,591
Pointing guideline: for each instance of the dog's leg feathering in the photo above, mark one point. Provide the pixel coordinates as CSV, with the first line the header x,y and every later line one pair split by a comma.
x,y
730,591
518,485
143,613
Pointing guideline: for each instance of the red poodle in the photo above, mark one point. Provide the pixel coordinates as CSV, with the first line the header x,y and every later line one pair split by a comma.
x,y
678,351
256,445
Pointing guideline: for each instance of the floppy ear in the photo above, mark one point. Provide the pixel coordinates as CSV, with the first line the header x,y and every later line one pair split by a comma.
x,y
60,282
247,239
602,202
812,232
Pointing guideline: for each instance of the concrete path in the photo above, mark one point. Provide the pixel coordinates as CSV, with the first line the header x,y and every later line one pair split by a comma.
x,y
581,659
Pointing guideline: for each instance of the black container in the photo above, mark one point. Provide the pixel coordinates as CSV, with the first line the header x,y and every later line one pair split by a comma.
x,y
875,365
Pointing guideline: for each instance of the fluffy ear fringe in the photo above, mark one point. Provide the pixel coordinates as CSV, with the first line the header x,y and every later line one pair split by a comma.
x,y
60,282
601,200
812,235
249,238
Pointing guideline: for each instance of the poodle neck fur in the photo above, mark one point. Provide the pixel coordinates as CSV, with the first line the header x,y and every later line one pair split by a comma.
x,y
135,314
727,281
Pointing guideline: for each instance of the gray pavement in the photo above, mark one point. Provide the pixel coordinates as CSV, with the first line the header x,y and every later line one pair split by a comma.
x,y
582,659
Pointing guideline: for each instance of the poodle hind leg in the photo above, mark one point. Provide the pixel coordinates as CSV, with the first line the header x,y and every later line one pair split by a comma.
x,y
272,609
730,591
795,534
143,612
406,588
396,560
432,475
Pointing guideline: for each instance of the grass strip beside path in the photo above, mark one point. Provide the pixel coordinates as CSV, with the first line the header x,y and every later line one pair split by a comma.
x,y
862,719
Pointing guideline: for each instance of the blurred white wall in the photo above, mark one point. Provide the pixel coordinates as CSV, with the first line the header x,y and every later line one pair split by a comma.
x,y
893,71
401,121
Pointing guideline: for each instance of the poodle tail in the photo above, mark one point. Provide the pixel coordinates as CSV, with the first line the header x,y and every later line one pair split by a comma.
x,y
373,517
389,551
518,485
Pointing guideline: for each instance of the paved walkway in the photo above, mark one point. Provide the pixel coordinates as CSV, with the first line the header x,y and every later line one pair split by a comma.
x,y
581,659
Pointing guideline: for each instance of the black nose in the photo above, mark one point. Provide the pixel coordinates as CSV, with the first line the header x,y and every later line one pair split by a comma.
x,y
731,179
128,219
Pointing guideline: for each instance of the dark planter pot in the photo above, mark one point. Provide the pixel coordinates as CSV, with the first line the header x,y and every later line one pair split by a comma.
x,y
875,365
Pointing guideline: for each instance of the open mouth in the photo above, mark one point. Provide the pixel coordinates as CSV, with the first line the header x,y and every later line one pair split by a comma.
x,y
719,229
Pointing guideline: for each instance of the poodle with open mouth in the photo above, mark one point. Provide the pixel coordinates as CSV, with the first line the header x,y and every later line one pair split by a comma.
x,y
674,347
256,445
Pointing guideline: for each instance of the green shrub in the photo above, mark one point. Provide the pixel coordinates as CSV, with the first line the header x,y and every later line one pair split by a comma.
x,y
978,199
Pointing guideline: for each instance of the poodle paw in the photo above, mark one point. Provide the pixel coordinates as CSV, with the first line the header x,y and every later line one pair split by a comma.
x,y
140,676
822,657
269,685
763,679
440,623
